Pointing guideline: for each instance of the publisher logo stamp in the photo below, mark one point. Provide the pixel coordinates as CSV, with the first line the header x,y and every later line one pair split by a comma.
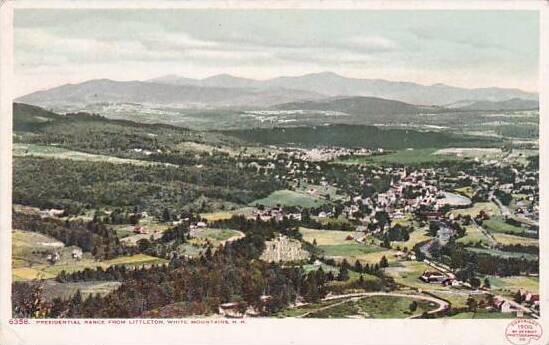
x,y
522,332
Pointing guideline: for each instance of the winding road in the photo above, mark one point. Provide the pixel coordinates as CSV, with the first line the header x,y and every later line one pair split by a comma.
x,y
442,305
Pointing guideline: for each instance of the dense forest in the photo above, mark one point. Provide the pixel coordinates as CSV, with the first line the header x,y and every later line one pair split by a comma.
x,y
75,185
359,136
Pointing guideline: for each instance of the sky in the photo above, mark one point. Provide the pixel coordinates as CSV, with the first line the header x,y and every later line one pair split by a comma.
x,y
461,48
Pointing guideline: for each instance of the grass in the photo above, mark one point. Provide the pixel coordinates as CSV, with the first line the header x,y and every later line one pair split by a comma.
x,y
298,311
222,215
54,289
50,271
289,198
408,273
483,314
376,307
33,150
473,236
333,244
325,237
498,224
467,191
511,240
488,207
514,283
327,268
408,157
416,236
216,236
30,250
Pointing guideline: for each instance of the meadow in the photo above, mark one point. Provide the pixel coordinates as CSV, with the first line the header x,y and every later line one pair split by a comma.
x,y
377,307
289,198
334,244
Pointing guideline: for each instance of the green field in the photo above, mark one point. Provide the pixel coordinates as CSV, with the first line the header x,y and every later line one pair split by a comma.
x,y
50,271
377,307
408,273
222,215
334,244
498,224
289,198
30,250
408,157
483,314
416,236
24,150
325,237
54,289
473,236
488,207
511,240
467,191
215,236
514,283
304,309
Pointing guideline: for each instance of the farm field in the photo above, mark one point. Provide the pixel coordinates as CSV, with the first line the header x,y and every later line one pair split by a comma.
x,y
488,207
498,224
334,244
513,240
473,236
215,236
378,307
289,198
416,236
33,150
222,215
30,249
50,271
53,289
408,273
514,283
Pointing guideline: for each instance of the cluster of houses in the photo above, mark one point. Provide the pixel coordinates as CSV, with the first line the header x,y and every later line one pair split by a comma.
x,y
318,154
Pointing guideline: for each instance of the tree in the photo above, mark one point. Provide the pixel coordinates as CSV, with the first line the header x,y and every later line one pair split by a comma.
x,y
383,262
487,283
413,306
358,266
343,274
166,216
472,304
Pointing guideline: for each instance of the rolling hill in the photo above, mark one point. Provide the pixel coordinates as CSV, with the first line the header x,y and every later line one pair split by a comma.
x,y
362,106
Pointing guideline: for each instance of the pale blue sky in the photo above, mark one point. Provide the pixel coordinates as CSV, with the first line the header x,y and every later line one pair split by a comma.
x,y
462,48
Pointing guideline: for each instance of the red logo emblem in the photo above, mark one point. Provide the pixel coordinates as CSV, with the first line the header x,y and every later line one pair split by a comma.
x,y
521,332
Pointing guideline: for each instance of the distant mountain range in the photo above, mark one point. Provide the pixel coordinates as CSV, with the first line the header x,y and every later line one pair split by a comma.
x,y
332,84
184,96
328,91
